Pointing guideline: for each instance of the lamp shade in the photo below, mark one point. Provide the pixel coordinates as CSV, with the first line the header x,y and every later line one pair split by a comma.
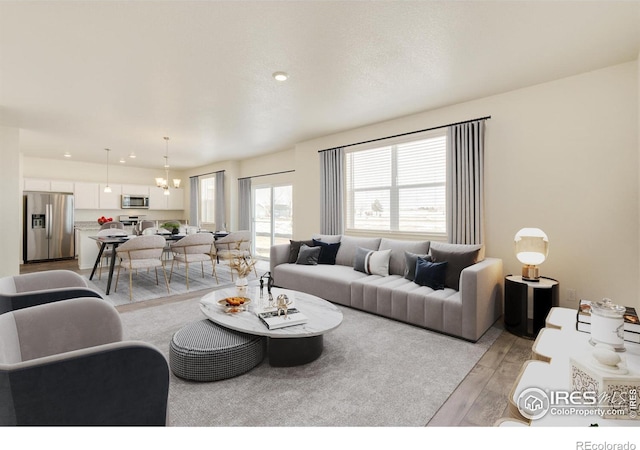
x,y
532,246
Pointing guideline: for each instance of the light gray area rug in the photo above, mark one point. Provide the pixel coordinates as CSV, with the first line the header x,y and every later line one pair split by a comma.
x,y
373,372
145,287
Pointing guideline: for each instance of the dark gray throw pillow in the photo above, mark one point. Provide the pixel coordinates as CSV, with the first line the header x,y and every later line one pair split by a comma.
x,y
294,249
308,256
459,257
410,264
431,274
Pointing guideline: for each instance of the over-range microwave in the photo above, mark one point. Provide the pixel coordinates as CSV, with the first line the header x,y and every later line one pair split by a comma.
x,y
135,201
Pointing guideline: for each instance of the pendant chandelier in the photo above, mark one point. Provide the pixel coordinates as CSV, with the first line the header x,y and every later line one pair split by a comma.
x,y
164,182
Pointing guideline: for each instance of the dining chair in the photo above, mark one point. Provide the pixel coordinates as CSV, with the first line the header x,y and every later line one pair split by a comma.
x,y
32,289
193,248
108,248
112,225
234,246
141,252
66,363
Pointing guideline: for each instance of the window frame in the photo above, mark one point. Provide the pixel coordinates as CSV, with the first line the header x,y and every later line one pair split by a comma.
x,y
201,200
394,189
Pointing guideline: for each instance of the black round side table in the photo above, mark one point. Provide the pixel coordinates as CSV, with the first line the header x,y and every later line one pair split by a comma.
x,y
527,304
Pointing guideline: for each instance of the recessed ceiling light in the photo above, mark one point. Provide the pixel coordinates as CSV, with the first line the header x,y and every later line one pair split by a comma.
x,y
280,76
122,160
67,155
132,155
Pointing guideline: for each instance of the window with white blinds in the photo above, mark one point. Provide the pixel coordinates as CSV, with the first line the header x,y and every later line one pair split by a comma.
x,y
207,201
398,187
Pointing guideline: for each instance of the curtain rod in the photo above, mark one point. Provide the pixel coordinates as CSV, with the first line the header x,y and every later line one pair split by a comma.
x,y
203,174
266,174
406,134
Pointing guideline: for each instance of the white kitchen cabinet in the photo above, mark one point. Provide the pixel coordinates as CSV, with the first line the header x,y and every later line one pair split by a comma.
x,y
173,201
61,186
135,189
45,185
109,200
36,184
86,195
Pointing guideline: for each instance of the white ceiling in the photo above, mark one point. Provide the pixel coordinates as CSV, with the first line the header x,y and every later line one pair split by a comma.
x,y
82,76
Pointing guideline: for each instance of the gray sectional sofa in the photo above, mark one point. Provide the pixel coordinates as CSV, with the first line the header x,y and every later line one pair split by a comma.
x,y
466,306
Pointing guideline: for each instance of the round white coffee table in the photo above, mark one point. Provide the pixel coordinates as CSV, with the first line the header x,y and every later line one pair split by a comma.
x,y
288,346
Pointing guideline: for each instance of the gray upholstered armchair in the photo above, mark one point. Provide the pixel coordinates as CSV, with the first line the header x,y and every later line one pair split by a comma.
x,y
65,363
23,291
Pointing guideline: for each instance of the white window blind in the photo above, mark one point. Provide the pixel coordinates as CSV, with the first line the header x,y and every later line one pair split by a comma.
x,y
207,200
398,187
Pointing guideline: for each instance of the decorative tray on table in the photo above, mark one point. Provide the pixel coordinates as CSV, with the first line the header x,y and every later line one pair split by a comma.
x,y
234,304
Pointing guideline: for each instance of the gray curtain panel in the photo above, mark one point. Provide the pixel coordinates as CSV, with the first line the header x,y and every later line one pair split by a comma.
x,y
465,183
221,220
194,204
244,204
331,191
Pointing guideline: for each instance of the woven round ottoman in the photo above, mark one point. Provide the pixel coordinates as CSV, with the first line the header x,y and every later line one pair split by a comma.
x,y
204,351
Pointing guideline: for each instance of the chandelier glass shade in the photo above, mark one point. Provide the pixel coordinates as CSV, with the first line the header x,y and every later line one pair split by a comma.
x,y
164,182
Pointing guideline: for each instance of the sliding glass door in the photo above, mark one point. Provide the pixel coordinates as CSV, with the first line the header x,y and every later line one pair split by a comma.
x,y
272,217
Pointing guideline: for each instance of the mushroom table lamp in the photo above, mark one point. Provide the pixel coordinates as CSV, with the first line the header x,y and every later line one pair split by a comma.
x,y
532,248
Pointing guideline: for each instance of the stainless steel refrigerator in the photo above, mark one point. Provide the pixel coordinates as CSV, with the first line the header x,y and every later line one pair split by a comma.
x,y
48,226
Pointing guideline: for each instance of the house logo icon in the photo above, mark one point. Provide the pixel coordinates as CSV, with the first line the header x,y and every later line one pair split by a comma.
x,y
533,403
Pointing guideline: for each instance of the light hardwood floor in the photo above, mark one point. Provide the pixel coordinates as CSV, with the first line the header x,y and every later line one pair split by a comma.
x,y
481,398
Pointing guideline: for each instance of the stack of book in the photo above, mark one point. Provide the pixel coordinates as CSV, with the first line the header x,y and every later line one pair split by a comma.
x,y
273,321
631,321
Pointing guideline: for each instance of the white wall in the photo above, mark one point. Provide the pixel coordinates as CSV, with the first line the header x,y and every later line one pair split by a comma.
x,y
10,201
561,156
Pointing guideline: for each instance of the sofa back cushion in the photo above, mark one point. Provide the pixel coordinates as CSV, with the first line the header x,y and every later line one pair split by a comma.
x,y
397,262
349,244
459,256
328,238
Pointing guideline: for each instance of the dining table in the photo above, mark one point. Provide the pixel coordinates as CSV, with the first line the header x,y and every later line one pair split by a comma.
x,y
115,241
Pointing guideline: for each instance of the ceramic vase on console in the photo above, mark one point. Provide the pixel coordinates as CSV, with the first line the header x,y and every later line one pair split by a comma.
x,y
241,286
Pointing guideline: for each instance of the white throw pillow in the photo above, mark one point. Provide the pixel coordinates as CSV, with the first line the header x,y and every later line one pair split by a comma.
x,y
372,262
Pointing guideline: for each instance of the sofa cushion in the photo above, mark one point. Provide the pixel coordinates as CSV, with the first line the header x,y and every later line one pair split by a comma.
x,y
372,262
410,260
294,249
327,251
308,256
459,256
328,238
398,247
332,283
431,274
348,246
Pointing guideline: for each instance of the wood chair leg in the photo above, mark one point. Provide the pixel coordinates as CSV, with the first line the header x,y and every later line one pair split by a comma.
x,y
156,271
166,282
213,271
130,284
171,272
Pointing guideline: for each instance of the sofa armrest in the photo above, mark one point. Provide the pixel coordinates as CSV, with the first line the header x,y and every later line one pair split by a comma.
x,y
123,383
481,287
279,254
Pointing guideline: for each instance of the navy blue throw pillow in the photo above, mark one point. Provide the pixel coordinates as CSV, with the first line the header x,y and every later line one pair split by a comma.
x,y
328,252
431,274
